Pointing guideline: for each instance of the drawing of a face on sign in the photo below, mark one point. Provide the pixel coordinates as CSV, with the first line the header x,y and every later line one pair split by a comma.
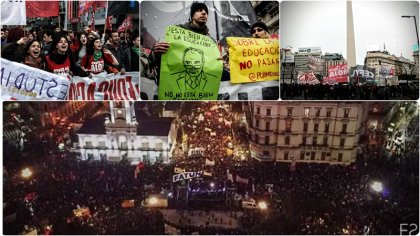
x,y
193,77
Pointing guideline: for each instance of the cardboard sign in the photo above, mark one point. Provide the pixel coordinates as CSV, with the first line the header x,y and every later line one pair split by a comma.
x,y
339,73
189,69
22,82
253,60
105,87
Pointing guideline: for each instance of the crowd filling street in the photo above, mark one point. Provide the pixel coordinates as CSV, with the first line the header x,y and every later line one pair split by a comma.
x,y
64,195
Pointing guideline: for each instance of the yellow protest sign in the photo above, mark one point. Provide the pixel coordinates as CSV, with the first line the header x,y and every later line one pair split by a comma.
x,y
253,60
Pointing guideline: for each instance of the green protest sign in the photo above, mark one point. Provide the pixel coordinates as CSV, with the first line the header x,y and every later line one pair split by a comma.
x,y
189,69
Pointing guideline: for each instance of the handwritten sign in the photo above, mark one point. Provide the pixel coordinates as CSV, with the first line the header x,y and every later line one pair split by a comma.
x,y
253,60
189,69
105,87
307,78
22,82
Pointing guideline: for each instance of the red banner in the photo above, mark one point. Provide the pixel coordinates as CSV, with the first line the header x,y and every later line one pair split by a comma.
x,y
338,73
85,5
307,78
108,23
127,24
42,8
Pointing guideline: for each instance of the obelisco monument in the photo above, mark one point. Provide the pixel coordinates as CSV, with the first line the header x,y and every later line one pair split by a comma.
x,y
351,48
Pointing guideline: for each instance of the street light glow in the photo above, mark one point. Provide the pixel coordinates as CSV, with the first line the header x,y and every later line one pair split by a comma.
x,y
26,173
377,186
262,205
153,200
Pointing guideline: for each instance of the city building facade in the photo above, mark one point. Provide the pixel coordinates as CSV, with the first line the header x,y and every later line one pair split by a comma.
x,y
123,133
401,65
323,132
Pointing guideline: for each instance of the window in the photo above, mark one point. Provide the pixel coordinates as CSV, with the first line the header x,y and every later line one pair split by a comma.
x,y
267,125
288,125
287,140
314,140
342,141
258,110
340,157
327,127
267,139
159,146
323,156
257,123
266,154
304,140
329,112
302,155
305,126
101,144
346,113
316,125
268,112
325,141
318,112
89,144
286,155
312,155
344,129
145,145
289,111
307,112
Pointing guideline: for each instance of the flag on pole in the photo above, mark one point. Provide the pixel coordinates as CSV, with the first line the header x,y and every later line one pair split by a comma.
x,y
127,24
84,6
42,8
13,13
108,23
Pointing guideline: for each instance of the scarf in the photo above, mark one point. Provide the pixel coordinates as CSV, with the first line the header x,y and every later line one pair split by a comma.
x,y
136,50
33,62
97,55
197,29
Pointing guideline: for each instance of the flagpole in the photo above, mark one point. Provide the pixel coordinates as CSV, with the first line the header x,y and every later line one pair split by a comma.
x,y
66,15
106,19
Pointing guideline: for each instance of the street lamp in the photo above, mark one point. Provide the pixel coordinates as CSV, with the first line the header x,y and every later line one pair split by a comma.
x,y
415,25
262,205
26,173
377,186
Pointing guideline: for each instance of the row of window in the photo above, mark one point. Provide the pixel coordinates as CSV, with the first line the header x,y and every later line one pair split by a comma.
x,y
123,145
307,110
305,126
304,140
324,156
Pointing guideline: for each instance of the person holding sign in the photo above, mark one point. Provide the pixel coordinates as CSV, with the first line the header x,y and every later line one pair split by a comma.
x,y
198,19
260,30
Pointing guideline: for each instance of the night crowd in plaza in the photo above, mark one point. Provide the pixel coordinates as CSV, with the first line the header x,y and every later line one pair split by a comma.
x,y
69,53
348,92
306,199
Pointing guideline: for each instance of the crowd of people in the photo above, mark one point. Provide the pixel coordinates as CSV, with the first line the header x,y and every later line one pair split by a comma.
x,y
68,53
347,92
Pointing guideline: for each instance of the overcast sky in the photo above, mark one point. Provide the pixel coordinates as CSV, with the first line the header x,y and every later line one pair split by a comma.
x,y
323,24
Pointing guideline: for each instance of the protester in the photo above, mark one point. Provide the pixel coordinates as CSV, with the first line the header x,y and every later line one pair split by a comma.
x,y
97,60
260,30
32,55
47,42
3,36
79,48
60,60
114,46
13,49
132,55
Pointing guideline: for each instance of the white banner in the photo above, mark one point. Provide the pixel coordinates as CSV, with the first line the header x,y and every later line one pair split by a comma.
x,y
267,90
186,175
13,12
105,87
22,82
209,162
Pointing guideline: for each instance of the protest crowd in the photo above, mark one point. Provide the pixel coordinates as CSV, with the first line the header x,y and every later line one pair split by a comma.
x,y
347,92
66,195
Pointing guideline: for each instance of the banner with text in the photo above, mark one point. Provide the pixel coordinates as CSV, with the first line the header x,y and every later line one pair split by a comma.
x,y
339,73
362,74
307,78
186,175
190,69
253,60
105,87
22,82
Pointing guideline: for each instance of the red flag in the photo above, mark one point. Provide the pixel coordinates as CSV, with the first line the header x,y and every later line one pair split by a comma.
x,y
127,24
108,23
84,6
69,9
30,196
42,8
140,165
92,25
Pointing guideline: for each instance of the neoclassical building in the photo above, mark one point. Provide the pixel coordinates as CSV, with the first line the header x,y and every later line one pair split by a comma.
x,y
123,132
306,131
